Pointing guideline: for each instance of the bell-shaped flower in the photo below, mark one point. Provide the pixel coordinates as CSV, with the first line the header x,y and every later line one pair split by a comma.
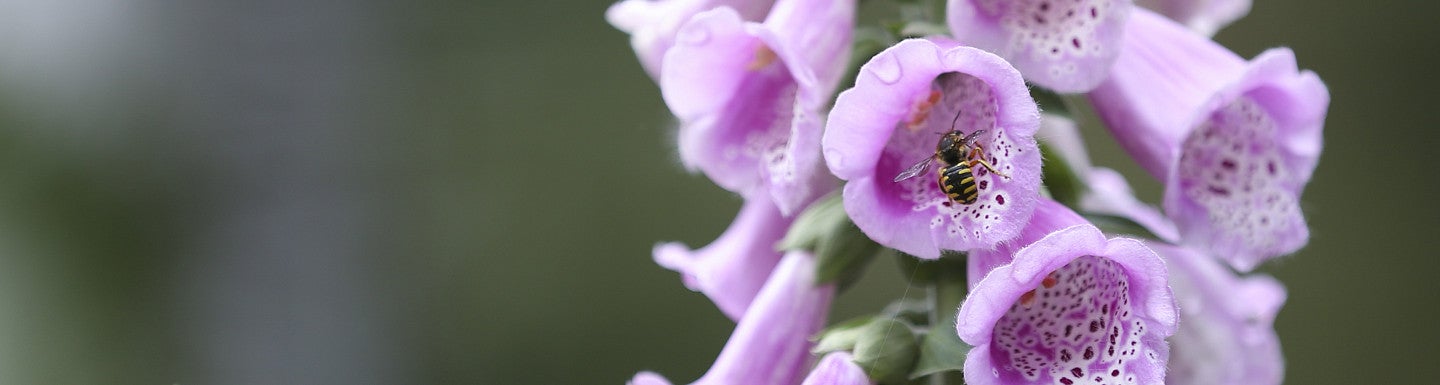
x,y
750,96
1105,191
1203,16
905,100
652,23
771,343
1235,142
1226,334
837,368
1067,46
1071,307
732,269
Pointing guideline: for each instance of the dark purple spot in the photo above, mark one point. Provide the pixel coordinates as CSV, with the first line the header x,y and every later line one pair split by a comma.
x,y
1045,6
1228,164
1115,373
1066,381
1077,372
1094,14
1094,326
1089,352
1000,199
1271,166
946,203
984,184
1217,190
1075,41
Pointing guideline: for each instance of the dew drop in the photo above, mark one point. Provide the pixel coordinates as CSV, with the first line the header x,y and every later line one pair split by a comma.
x,y
885,67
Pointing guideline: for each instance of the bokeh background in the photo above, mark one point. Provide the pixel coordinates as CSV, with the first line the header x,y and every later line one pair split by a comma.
x,y
466,192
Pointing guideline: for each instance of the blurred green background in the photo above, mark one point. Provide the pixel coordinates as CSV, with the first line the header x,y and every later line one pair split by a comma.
x,y
462,192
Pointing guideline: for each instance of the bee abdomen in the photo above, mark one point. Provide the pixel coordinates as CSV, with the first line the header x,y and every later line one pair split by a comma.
x,y
959,184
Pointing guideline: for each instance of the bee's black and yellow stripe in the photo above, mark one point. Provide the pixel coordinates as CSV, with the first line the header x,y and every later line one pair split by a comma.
x,y
959,183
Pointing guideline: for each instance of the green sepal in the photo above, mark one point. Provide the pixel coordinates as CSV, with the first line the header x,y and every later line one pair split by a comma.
x,y
941,350
886,350
841,250
813,224
1050,102
841,336
916,311
1114,224
1060,179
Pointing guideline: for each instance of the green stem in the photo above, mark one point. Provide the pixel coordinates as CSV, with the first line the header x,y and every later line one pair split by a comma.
x,y
946,293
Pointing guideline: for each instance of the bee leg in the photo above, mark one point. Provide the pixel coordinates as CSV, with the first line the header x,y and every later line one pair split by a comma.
x,y
977,156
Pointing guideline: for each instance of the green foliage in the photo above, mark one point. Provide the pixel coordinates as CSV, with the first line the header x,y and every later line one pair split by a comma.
x,y
841,249
1060,178
940,351
887,350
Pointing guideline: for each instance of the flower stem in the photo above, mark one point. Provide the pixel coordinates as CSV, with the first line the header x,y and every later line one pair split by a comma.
x,y
945,294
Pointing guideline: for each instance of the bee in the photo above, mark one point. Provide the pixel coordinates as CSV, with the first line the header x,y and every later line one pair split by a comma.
x,y
957,153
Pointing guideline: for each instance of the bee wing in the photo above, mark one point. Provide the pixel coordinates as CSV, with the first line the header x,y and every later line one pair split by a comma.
x,y
914,170
971,137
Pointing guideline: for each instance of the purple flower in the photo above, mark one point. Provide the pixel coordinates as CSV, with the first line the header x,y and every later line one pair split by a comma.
x,y
733,268
771,343
1203,16
1071,307
1106,191
837,368
1066,46
1235,142
1226,335
750,96
904,99
652,23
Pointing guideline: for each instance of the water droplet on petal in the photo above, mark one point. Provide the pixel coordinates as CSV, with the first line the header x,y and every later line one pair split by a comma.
x,y
885,67
696,34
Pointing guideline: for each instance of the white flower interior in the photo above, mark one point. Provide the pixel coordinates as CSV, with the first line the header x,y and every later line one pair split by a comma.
x,y
1076,327
1050,29
915,139
1232,167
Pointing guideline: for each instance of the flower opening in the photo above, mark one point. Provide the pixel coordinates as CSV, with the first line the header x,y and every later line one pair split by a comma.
x,y
896,116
